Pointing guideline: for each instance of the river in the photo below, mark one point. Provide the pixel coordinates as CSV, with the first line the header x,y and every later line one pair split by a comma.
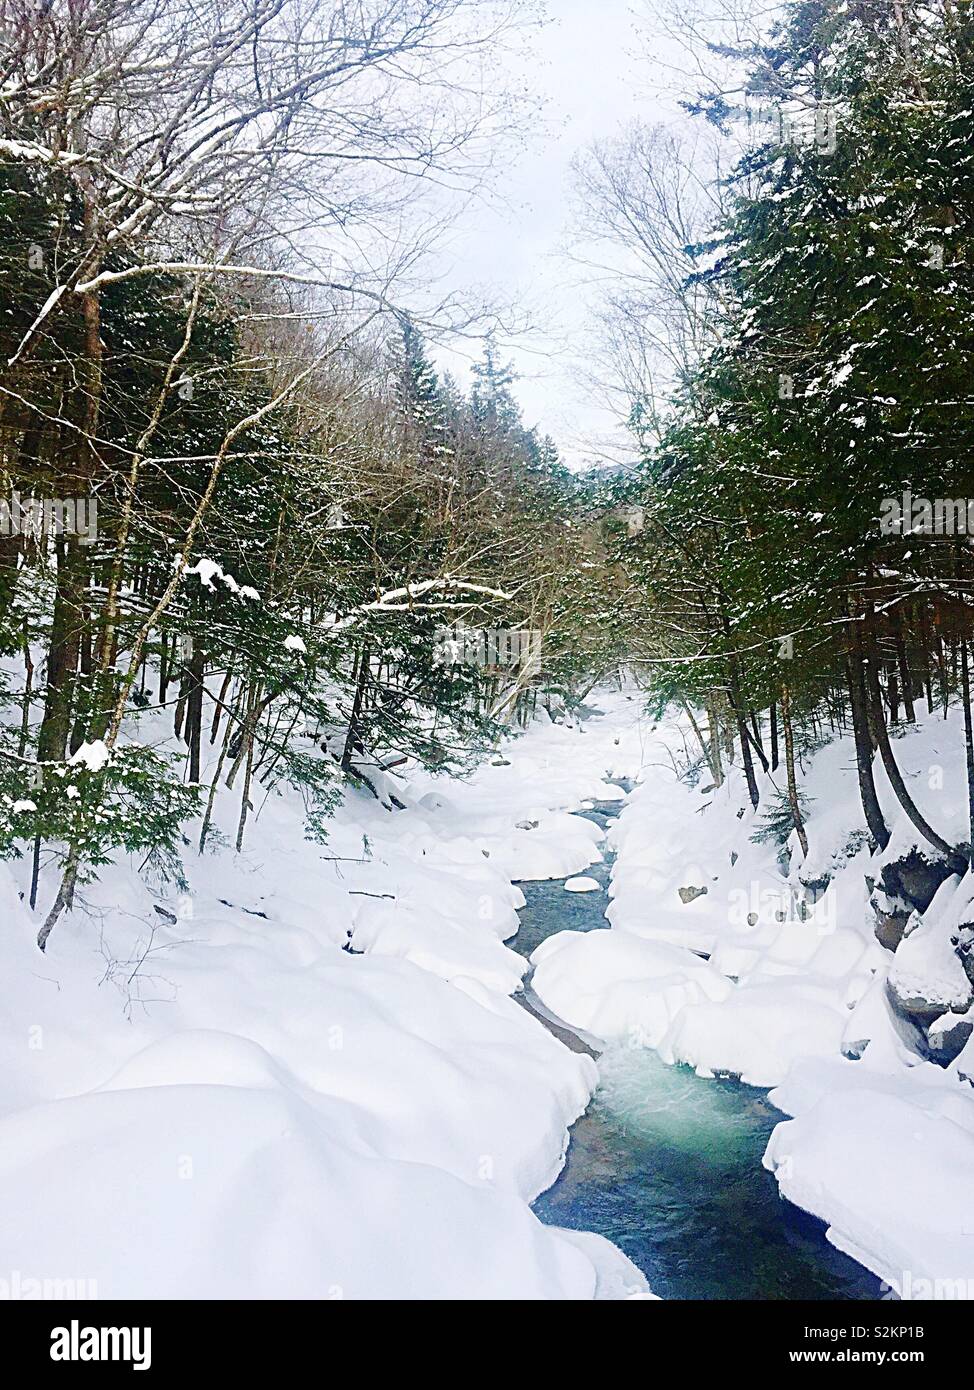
x,y
667,1165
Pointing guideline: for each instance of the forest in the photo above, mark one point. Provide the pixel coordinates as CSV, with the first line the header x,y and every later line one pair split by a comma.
x,y
299,589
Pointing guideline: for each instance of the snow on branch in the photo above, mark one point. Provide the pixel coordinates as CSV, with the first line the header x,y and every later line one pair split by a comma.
x,y
402,600
110,277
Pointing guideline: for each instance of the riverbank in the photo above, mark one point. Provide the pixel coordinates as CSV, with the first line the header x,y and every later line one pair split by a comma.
x,y
720,957
305,1072
299,1074
668,1165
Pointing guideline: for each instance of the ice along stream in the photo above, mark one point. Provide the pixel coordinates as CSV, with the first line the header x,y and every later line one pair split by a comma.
x,y
667,1164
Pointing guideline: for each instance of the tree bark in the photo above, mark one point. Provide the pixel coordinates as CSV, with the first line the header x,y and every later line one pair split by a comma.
x,y
793,802
352,736
863,741
958,863
194,709
968,742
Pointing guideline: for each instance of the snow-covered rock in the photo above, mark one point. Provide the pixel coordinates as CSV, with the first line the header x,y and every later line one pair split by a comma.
x,y
615,985
581,885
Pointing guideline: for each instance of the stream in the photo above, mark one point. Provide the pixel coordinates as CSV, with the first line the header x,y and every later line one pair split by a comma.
x,y
667,1165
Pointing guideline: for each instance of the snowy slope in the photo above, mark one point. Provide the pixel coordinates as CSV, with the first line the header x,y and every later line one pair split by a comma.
x,y
230,1104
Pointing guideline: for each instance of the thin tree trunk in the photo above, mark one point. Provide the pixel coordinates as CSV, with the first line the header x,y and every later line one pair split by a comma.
x,y
63,653
704,745
957,863
64,898
713,734
863,741
194,710
756,741
211,799
352,734
793,802
905,675
35,870
968,742
164,670
28,690
245,789
220,699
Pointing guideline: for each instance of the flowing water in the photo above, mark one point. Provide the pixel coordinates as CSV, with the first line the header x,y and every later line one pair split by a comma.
x,y
667,1165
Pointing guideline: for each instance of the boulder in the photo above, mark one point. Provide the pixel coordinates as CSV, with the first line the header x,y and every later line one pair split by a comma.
x,y
948,1035
915,1007
905,885
892,915
689,895
964,941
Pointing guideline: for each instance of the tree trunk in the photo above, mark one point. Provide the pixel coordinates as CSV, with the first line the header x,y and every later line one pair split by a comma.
x,y
904,669
742,732
957,862
704,745
63,653
194,710
968,742
863,740
352,737
793,802
713,735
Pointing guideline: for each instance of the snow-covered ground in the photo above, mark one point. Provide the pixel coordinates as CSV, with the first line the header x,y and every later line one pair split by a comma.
x,y
795,992
305,1076
307,1079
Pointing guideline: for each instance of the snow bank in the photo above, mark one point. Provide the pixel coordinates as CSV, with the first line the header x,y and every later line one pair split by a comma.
x,y
615,985
884,1157
756,1033
881,1140
926,973
254,1192
303,1076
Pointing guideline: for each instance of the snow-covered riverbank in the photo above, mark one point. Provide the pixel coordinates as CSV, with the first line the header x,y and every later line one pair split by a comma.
x,y
304,1075
794,994
203,1094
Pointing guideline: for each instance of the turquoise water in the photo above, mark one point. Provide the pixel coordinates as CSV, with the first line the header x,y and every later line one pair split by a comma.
x,y
668,1165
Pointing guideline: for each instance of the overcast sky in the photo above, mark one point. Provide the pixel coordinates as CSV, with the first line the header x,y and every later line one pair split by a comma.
x,y
592,70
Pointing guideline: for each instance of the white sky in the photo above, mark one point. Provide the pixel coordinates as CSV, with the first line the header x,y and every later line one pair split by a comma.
x,y
592,71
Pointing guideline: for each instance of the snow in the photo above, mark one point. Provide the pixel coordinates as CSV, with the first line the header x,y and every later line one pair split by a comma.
x,y
451,948
615,985
230,1104
758,1033
796,992
925,965
581,885
314,1081
259,1192
93,756
208,570
884,1156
